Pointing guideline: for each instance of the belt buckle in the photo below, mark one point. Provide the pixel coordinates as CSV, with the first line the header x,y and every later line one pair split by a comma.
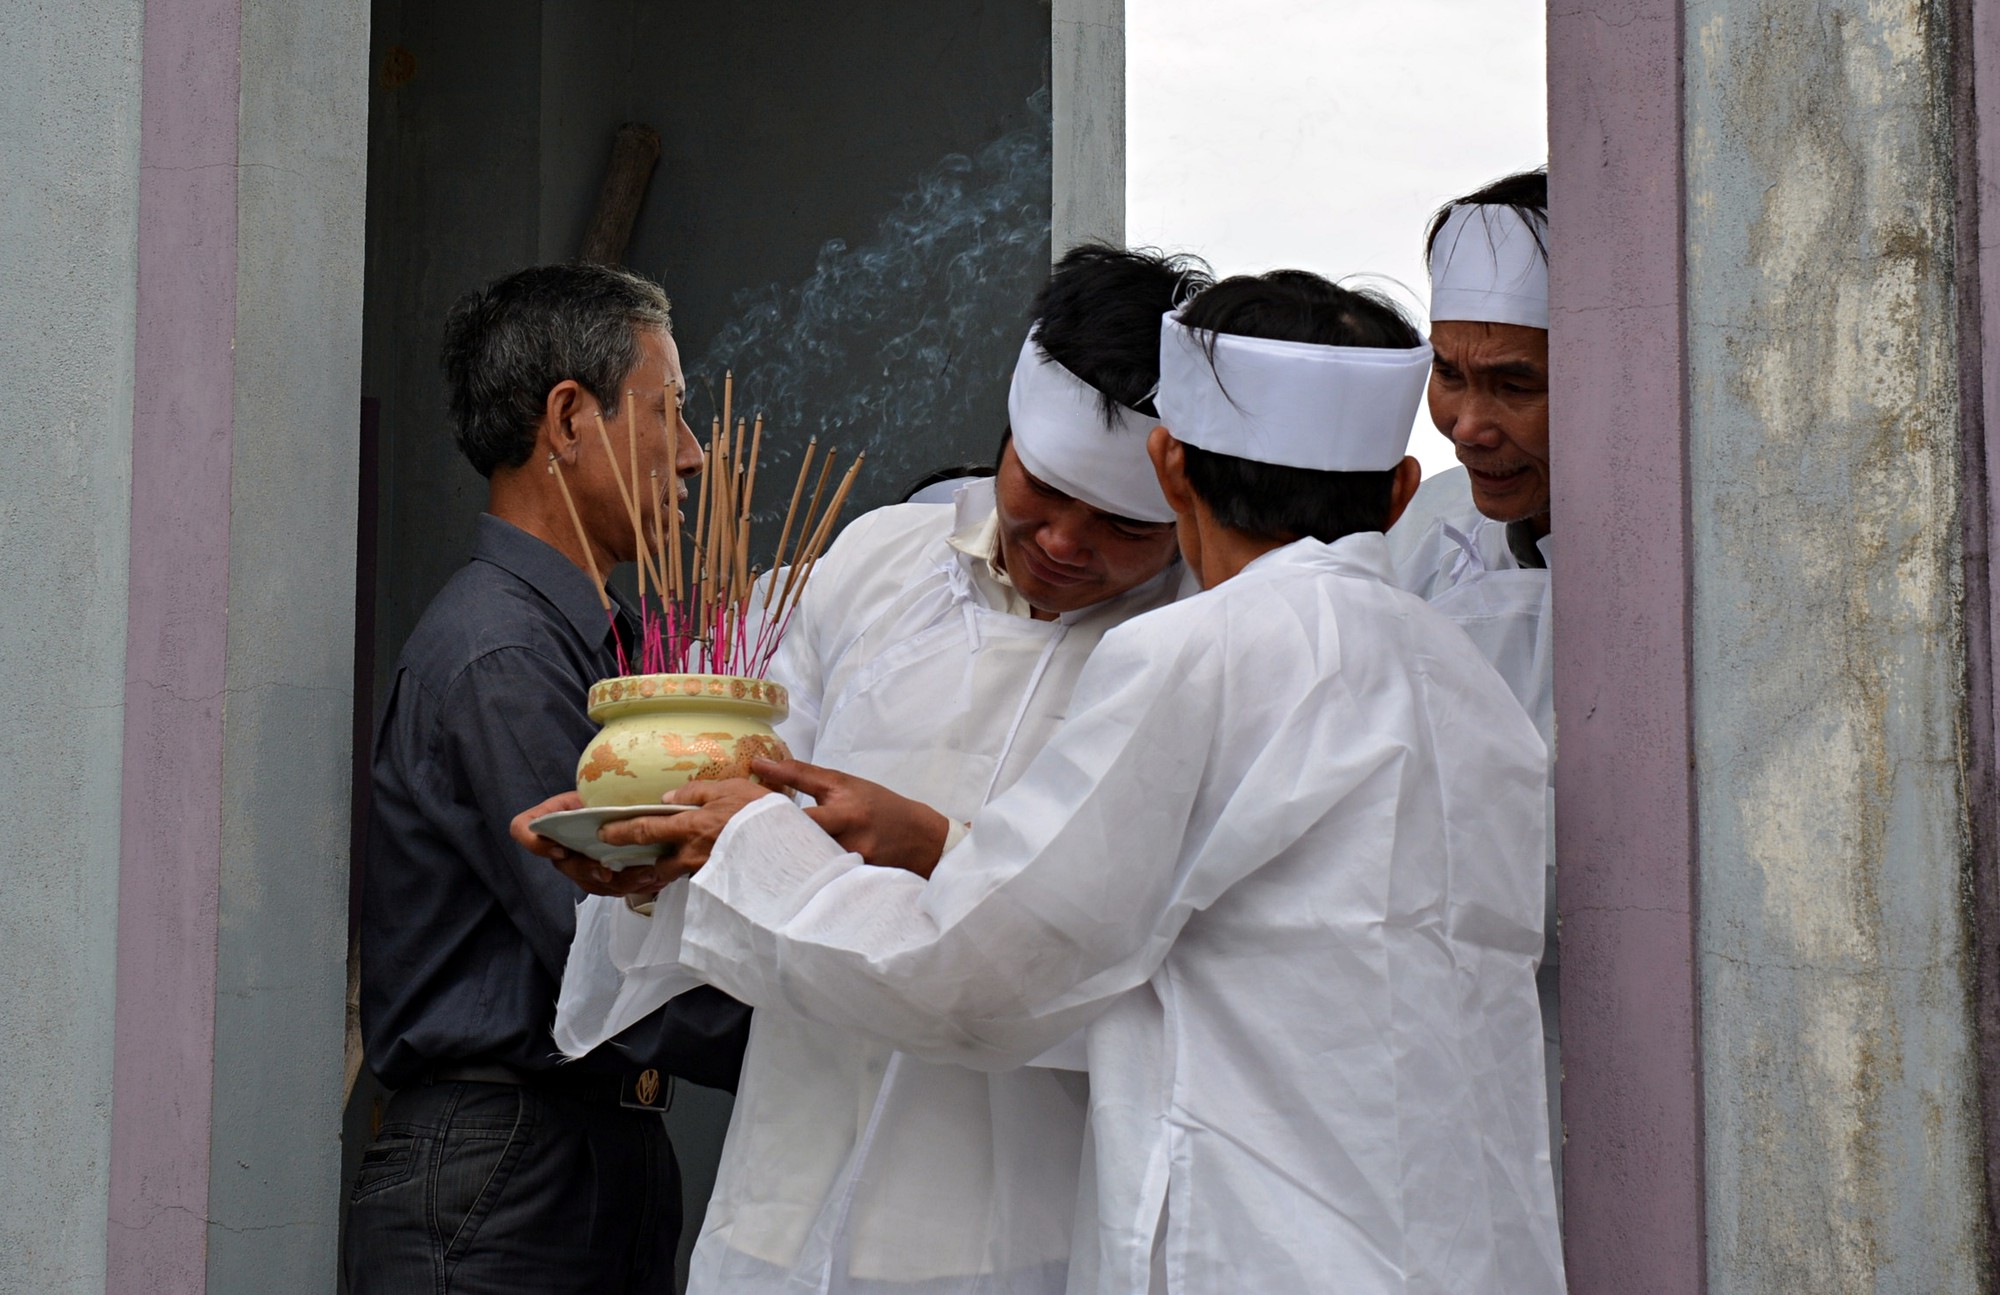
x,y
646,1090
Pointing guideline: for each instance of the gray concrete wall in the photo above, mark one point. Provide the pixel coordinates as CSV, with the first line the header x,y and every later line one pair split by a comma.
x,y
1087,88
453,184
274,1180
852,213
69,170
1828,648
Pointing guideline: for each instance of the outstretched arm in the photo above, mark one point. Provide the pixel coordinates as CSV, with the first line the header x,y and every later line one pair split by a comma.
x,y
863,817
1068,891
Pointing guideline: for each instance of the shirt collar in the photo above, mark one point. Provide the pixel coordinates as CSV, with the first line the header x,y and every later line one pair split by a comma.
x,y
1364,554
539,565
976,535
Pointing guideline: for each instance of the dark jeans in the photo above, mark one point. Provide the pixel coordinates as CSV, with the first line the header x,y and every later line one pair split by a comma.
x,y
494,1189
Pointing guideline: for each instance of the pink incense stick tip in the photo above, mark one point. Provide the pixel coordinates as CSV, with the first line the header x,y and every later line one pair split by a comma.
x,y
617,642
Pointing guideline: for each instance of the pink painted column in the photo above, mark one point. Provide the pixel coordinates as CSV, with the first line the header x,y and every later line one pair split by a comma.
x,y
1976,119
171,820
1632,1161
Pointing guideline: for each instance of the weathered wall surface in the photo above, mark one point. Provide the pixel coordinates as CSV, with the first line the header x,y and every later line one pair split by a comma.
x,y
274,1181
852,212
1828,689
69,169
1087,99
454,142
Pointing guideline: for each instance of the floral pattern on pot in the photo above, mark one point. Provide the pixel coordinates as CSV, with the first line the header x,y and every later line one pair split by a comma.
x,y
664,731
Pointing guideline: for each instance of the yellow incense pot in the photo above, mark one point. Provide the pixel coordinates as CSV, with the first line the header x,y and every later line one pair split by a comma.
x,y
663,731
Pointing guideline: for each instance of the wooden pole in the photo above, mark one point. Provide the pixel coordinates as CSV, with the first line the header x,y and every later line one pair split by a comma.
x,y
635,152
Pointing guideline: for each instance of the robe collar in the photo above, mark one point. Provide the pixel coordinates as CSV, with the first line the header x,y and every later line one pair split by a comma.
x,y
975,537
1364,554
1486,545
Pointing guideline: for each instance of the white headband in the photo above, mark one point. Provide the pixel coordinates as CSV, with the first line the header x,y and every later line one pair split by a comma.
x,y
1493,271
1328,408
1059,432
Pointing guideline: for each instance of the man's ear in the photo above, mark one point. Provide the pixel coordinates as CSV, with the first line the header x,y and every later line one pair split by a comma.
x,y
1170,466
1403,488
562,413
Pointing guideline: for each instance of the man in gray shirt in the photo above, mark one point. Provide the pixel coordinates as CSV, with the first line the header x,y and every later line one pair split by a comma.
x,y
494,1170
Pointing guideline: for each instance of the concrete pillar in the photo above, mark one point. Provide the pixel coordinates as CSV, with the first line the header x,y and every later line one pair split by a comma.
x,y
1774,694
1976,122
1829,648
1625,810
71,144
1087,88
176,634
281,952
1769,694
183,343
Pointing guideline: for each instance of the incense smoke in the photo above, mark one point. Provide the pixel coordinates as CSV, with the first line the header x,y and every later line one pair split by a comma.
x,y
901,346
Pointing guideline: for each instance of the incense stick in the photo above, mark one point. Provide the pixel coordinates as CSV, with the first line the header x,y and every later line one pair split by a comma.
x,y
670,414
704,581
821,535
807,528
729,394
639,551
677,588
582,538
778,559
698,558
631,502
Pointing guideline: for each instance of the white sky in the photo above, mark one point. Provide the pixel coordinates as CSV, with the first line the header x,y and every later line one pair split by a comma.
x,y
1321,134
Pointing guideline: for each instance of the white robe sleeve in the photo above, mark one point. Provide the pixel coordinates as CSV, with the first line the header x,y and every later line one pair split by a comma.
x,y
622,967
1067,892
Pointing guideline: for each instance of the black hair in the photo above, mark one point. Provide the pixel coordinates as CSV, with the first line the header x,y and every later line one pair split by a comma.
x,y
1527,192
1269,500
508,343
1099,317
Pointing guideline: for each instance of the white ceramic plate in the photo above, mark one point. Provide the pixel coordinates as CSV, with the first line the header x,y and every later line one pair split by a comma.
x,y
576,829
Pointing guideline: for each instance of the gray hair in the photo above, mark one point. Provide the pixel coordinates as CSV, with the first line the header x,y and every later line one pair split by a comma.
x,y
508,343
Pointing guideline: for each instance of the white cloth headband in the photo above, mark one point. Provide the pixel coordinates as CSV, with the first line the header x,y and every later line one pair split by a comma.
x,y
1328,408
1059,432
1486,265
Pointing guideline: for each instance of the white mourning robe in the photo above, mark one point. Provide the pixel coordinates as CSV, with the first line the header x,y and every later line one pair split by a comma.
x,y
1285,860
1462,563
848,1166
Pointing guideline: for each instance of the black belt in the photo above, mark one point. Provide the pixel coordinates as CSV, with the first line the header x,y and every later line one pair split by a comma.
x,y
639,1089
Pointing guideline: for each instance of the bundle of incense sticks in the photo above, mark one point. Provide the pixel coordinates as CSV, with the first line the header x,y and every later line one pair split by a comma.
x,y
704,608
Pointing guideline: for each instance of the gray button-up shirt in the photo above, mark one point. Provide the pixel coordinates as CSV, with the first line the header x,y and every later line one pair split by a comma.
x,y
463,933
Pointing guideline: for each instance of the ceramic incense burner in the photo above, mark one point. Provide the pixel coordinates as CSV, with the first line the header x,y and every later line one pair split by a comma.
x,y
662,731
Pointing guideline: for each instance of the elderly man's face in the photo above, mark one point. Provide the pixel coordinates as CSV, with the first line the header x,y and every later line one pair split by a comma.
x,y
1489,393
645,424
